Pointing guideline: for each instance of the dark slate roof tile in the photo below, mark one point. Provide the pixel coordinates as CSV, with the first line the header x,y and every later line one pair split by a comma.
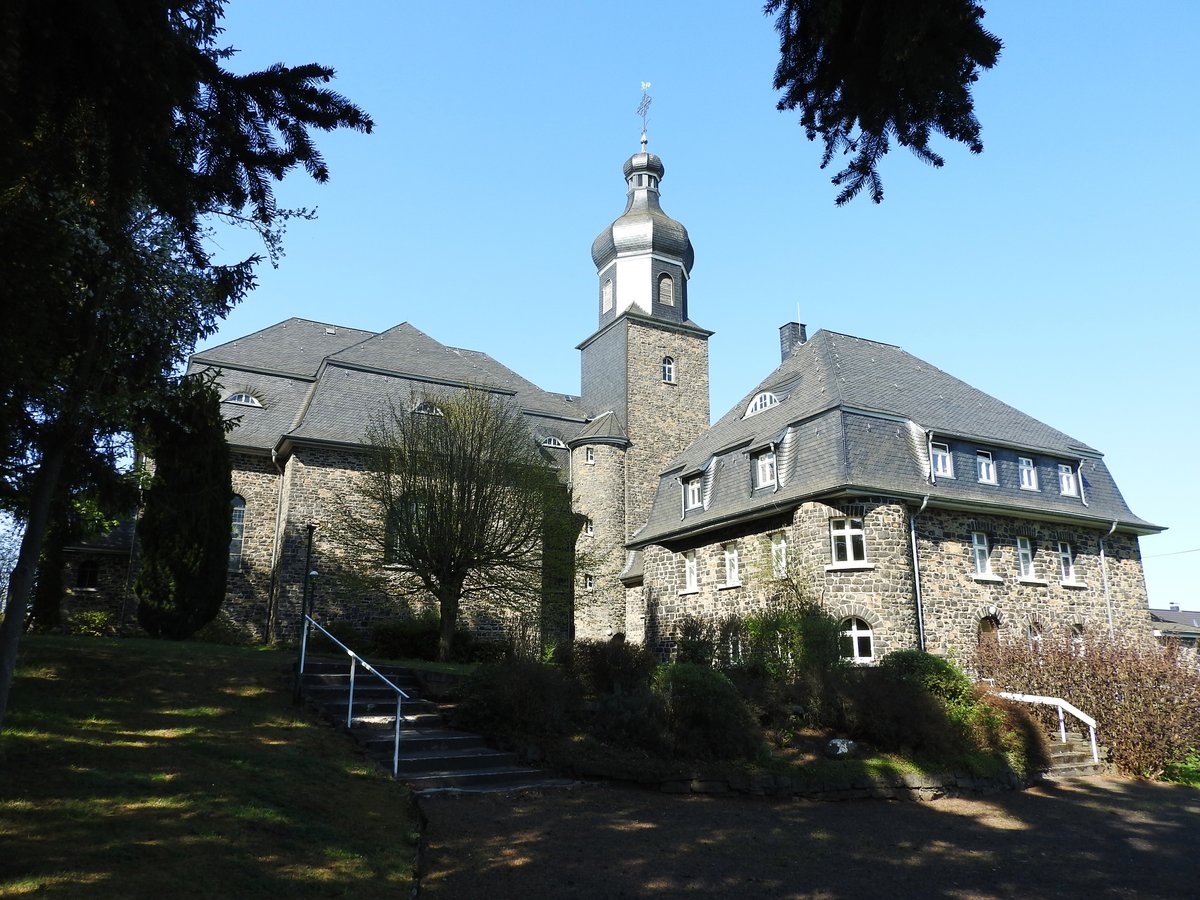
x,y
293,347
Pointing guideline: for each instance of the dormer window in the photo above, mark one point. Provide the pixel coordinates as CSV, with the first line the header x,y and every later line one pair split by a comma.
x,y
243,398
425,408
764,469
943,460
1068,485
1029,477
765,400
554,443
668,369
985,467
691,494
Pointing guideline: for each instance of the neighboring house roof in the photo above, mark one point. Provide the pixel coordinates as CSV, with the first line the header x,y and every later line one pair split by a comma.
x,y
852,416
1179,623
322,383
119,539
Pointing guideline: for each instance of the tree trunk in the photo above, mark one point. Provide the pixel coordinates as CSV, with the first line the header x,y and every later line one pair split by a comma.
x,y
448,601
21,585
48,595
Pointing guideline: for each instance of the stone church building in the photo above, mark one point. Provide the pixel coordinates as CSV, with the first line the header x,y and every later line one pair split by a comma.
x,y
920,511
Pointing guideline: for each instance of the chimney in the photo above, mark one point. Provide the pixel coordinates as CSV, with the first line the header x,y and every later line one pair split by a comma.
x,y
791,336
1174,607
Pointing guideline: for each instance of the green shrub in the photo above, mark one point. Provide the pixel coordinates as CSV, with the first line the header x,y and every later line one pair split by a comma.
x,y
695,641
611,667
937,675
792,636
417,638
637,719
1144,697
706,716
92,623
895,715
517,697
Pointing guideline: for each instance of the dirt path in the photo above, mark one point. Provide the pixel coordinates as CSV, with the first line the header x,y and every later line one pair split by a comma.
x,y
1088,838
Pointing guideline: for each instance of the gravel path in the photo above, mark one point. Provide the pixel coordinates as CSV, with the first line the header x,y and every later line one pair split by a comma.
x,y
1100,837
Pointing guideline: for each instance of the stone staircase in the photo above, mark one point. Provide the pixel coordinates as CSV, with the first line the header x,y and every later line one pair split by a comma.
x,y
1073,759
433,757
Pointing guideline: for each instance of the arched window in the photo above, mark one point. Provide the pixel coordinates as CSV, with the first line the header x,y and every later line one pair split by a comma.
x,y
243,398
88,577
606,296
237,521
554,443
989,631
425,408
857,642
668,369
1077,646
762,401
666,290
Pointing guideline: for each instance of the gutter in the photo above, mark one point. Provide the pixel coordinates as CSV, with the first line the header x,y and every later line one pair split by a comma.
x,y
916,558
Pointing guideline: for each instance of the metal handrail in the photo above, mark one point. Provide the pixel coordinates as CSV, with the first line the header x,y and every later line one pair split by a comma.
x,y
355,659
1063,706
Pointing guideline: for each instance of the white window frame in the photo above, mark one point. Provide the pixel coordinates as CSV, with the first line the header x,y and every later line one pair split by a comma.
x,y
1025,558
554,443
237,532
243,398
589,527
589,581
589,455
981,553
764,469
733,575
1028,472
762,400
1066,562
942,460
1068,480
691,578
779,559
985,467
858,628
847,529
693,496
668,370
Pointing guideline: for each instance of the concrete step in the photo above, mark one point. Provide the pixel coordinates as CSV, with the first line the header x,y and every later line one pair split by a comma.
x,y
421,740
467,760
499,778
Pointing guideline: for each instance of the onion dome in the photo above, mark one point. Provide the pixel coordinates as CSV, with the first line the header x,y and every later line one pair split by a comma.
x,y
643,228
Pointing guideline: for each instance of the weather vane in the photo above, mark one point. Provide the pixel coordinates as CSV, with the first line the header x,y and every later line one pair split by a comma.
x,y
644,108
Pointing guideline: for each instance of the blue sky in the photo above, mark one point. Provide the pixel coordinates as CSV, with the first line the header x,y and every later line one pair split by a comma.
x,y
1057,271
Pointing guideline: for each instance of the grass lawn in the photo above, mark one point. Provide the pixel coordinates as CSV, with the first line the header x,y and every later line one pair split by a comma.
x,y
136,768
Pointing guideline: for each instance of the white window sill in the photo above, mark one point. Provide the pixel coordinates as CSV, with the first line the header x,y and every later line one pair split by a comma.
x,y
729,584
850,567
1040,582
988,483
1031,490
686,591
991,579
1077,585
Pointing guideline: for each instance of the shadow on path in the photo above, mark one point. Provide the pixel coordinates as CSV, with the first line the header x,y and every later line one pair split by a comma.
x,y
1104,837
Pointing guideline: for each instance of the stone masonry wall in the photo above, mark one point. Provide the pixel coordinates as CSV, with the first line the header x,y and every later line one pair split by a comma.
x,y
881,590
248,589
598,492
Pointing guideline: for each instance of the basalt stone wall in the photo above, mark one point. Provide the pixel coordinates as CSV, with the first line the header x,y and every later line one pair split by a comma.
x,y
598,492
113,591
248,588
956,599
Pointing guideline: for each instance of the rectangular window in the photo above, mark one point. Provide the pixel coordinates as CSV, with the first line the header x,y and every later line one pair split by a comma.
x,y
1025,557
979,550
588,582
848,540
1066,562
690,580
731,565
779,562
764,469
589,455
691,494
589,527
984,467
943,461
1029,479
1068,485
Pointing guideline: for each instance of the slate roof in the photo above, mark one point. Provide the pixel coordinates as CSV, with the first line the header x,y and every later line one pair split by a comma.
x,y
321,383
852,418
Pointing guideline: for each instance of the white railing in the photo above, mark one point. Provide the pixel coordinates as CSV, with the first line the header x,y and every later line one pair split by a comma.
x,y
355,661
1063,706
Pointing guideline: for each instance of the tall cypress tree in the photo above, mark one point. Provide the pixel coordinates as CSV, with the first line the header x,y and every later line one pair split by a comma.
x,y
184,529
